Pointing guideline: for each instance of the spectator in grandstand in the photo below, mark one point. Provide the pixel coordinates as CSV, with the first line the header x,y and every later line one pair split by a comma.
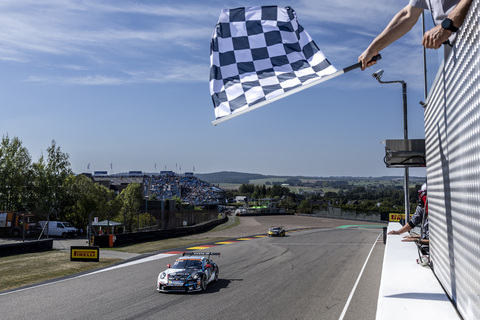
x,y
189,189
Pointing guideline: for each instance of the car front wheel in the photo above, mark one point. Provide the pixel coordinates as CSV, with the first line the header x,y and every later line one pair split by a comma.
x,y
203,283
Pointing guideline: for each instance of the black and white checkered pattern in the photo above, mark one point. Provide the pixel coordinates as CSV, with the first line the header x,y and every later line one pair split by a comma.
x,y
258,53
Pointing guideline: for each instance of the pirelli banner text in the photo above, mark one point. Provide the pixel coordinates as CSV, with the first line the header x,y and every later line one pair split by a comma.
x,y
84,253
396,216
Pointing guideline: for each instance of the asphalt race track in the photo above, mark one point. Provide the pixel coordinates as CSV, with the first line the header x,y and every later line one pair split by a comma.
x,y
308,274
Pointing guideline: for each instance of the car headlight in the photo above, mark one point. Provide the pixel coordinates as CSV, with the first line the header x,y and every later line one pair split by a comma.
x,y
162,275
196,276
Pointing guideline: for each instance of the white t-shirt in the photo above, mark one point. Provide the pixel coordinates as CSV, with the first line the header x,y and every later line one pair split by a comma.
x,y
439,8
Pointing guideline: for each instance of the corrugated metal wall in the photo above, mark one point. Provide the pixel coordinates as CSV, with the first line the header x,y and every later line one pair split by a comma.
x,y
452,137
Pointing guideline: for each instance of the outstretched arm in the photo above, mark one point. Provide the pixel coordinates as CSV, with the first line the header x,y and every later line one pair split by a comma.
x,y
434,37
401,23
405,228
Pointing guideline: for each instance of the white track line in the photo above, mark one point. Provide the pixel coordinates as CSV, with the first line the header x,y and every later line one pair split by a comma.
x,y
123,265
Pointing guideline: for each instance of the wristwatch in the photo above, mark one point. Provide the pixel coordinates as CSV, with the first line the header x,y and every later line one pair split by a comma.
x,y
447,24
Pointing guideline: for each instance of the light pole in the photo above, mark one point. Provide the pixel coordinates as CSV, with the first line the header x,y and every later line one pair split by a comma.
x,y
378,75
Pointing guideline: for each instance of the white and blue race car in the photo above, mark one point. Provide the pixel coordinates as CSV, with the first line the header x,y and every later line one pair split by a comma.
x,y
191,272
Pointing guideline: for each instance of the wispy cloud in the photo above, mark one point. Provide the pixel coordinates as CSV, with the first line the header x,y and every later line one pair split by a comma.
x,y
95,42
109,36
362,14
62,30
177,71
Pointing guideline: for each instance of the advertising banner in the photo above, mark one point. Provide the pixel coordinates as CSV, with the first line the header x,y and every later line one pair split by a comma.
x,y
81,253
395,217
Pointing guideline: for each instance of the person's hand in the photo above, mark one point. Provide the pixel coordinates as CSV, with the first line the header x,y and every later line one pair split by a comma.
x,y
366,59
393,232
409,239
433,38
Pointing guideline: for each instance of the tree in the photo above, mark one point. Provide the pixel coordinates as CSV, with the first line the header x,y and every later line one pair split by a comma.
x,y
14,174
49,177
178,203
246,188
85,197
305,206
277,191
152,197
131,198
293,182
288,203
330,195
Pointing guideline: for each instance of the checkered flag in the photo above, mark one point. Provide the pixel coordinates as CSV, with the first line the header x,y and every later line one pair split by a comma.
x,y
259,55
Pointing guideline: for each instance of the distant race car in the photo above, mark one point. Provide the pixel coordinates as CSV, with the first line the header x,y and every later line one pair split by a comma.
x,y
276,231
191,272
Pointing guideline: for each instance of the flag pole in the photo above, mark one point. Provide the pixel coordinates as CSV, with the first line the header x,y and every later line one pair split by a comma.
x,y
290,92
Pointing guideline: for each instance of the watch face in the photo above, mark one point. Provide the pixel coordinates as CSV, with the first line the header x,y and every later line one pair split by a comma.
x,y
447,24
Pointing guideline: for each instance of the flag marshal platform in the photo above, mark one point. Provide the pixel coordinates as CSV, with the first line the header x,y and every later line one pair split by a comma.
x,y
84,253
408,289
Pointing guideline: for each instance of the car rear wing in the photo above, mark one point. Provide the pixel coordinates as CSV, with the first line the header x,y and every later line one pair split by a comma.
x,y
195,253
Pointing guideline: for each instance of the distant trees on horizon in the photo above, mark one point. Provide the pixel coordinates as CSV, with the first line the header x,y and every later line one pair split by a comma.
x,y
379,198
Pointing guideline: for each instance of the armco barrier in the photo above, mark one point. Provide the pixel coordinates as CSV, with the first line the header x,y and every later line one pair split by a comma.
x,y
136,237
333,212
25,247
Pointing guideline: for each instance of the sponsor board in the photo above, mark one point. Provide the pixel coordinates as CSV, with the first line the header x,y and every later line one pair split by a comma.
x,y
81,253
395,217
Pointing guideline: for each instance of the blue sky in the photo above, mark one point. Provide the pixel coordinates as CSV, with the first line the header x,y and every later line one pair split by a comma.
x,y
126,83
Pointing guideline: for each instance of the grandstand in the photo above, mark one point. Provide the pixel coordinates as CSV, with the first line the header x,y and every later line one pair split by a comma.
x,y
165,185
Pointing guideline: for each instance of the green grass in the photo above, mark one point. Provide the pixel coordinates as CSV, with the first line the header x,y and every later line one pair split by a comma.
x,y
31,268
229,186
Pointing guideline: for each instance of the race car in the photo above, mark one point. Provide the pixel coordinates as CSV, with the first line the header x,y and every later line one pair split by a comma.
x,y
191,272
276,231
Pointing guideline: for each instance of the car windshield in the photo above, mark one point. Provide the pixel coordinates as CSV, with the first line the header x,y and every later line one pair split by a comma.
x,y
187,264
67,225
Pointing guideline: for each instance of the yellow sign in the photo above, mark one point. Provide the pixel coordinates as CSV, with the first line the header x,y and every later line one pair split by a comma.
x,y
84,253
396,216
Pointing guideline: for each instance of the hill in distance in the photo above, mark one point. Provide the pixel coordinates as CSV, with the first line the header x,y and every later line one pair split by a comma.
x,y
240,177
